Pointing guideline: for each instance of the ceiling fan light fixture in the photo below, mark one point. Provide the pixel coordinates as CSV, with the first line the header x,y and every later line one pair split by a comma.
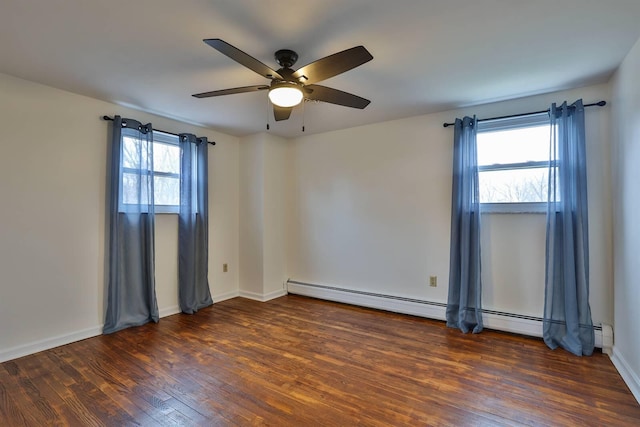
x,y
285,95
290,87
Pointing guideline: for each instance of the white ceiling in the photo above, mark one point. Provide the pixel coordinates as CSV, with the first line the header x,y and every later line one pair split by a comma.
x,y
429,55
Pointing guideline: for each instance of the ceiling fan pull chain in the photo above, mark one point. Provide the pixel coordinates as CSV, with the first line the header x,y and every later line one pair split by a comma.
x,y
304,108
268,111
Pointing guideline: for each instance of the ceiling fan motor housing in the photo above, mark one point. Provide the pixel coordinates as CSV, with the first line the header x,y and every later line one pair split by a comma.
x,y
286,58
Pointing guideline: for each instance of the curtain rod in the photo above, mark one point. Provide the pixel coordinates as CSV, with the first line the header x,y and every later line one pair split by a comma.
x,y
158,130
599,104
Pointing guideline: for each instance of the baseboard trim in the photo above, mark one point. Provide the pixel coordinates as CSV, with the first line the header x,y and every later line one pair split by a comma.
x,y
507,322
225,296
48,343
432,310
626,372
263,297
169,311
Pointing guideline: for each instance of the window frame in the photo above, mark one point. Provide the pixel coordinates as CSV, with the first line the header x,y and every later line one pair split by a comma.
x,y
512,123
158,138
172,140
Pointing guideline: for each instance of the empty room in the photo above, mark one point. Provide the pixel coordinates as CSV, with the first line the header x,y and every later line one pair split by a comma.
x,y
323,212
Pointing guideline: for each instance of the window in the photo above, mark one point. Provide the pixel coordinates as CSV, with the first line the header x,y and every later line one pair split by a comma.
x,y
166,172
513,162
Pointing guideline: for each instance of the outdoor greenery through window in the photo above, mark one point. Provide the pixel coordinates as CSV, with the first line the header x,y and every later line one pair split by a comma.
x,y
166,172
513,162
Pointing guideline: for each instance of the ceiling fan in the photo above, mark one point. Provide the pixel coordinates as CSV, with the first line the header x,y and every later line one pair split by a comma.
x,y
288,88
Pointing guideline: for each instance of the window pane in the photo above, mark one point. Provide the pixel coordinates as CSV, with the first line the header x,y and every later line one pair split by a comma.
x,y
529,144
134,154
167,190
134,188
166,171
166,158
514,186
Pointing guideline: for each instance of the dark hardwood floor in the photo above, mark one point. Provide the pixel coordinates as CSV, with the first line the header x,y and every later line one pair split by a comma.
x,y
302,362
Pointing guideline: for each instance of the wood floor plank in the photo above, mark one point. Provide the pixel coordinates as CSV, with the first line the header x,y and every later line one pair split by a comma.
x,y
9,410
300,361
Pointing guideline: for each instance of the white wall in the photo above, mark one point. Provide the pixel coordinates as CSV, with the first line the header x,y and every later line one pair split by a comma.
x,y
513,249
251,215
626,202
277,200
264,201
372,212
52,220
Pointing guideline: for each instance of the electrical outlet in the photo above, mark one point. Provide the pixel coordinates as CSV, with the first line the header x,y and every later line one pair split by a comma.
x,y
433,281
225,268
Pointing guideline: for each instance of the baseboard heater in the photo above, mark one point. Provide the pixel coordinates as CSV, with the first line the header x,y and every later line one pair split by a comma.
x,y
498,320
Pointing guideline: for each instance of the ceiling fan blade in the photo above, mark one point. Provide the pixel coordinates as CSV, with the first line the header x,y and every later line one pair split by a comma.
x,y
281,113
335,96
242,58
332,65
231,91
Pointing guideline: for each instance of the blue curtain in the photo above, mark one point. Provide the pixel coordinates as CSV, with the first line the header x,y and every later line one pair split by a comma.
x,y
464,308
131,297
567,316
193,225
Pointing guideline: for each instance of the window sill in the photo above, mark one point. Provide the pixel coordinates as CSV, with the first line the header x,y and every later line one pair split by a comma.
x,y
167,210
159,209
513,208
